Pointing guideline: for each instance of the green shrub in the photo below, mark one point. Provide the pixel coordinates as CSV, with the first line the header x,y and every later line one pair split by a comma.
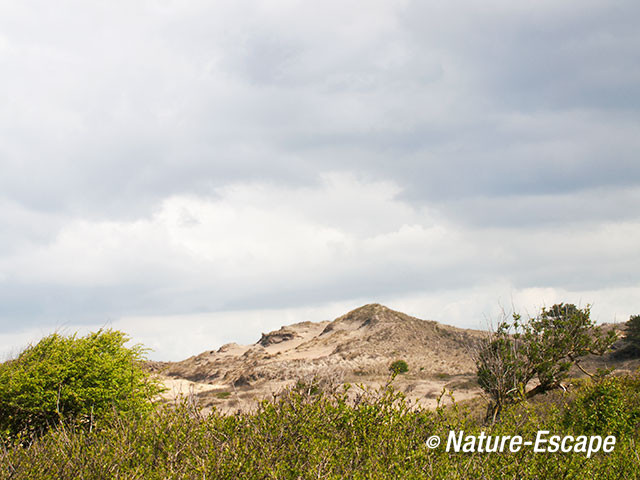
x,y
73,378
633,334
608,406
398,367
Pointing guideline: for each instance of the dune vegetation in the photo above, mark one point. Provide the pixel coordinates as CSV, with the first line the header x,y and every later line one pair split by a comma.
x,y
310,432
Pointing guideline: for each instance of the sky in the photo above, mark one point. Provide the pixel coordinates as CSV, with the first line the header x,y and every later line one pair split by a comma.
x,y
196,173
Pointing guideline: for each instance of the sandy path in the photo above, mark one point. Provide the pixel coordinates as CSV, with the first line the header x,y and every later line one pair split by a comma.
x,y
178,386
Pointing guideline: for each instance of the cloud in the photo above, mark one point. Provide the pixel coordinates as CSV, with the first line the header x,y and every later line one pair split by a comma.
x,y
259,246
125,107
250,240
162,158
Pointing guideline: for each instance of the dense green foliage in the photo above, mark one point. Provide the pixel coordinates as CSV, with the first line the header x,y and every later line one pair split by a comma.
x,y
70,377
398,367
305,435
609,406
633,334
542,348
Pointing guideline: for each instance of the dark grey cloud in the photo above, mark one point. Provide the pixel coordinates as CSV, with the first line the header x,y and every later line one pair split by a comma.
x,y
123,109
588,208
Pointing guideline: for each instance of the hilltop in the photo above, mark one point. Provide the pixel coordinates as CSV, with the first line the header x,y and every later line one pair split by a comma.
x,y
357,347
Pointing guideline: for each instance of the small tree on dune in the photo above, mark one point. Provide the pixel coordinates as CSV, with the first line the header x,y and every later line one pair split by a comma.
x,y
543,348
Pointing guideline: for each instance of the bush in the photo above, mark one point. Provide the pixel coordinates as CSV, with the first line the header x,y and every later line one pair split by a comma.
x,y
398,367
633,334
70,378
608,406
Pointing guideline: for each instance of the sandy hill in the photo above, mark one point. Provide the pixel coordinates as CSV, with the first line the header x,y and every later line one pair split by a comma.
x,y
357,347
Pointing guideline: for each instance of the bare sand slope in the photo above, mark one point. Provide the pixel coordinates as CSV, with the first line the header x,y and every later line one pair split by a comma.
x,y
356,348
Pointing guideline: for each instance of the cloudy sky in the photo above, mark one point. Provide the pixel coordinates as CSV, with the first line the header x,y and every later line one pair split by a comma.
x,y
195,173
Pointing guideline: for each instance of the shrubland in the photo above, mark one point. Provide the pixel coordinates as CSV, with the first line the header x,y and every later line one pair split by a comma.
x,y
310,433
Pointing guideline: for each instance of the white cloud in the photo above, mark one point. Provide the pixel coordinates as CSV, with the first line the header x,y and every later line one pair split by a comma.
x,y
247,232
260,248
